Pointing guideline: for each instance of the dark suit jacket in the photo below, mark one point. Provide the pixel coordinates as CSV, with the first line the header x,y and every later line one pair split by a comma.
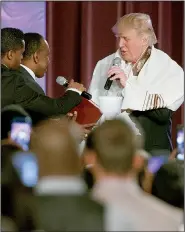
x,y
18,87
68,213
157,128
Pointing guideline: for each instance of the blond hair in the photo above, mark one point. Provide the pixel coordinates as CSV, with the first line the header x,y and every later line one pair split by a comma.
x,y
140,22
115,145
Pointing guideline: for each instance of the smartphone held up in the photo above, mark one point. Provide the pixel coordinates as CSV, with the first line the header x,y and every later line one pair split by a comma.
x,y
21,131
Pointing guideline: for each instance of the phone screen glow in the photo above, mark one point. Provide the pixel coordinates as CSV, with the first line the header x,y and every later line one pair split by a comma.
x,y
20,133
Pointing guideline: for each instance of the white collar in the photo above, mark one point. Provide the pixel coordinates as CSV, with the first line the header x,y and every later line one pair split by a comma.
x,y
29,71
5,65
118,182
60,185
113,185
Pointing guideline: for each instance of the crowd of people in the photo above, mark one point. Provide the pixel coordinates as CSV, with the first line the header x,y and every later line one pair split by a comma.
x,y
109,187
119,181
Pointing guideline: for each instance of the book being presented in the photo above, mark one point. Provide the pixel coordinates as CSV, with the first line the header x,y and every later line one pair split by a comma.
x,y
87,112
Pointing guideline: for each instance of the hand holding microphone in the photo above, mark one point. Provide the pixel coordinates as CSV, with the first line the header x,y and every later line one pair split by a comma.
x,y
74,85
116,73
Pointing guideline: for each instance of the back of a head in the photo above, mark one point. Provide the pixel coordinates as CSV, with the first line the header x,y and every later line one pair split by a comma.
x,y
32,44
168,183
7,114
11,39
115,145
55,148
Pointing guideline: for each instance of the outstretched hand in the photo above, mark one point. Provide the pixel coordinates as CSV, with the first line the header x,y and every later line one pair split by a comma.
x,y
72,116
76,85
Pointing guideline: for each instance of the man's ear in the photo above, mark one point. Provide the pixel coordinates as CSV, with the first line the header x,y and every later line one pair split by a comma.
x,y
36,57
138,162
89,158
10,54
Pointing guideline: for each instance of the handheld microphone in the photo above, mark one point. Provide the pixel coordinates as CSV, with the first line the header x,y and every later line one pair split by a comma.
x,y
64,82
116,62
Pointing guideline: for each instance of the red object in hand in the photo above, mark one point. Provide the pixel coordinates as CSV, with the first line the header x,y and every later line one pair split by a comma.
x,y
87,112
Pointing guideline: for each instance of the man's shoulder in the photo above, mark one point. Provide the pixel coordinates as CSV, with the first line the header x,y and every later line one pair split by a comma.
x,y
162,55
12,79
162,215
82,203
22,70
10,73
161,208
9,77
71,207
165,58
83,199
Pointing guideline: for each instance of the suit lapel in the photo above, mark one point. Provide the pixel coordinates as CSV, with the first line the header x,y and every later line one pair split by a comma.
x,y
30,81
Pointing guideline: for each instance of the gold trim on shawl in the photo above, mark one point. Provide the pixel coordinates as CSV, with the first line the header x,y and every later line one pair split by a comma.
x,y
140,63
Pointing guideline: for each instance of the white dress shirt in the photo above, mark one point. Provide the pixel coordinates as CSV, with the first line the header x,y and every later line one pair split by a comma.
x,y
98,81
60,185
29,71
34,77
131,209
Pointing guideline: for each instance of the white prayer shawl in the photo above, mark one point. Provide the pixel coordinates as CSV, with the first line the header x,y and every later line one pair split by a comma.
x,y
159,84
98,81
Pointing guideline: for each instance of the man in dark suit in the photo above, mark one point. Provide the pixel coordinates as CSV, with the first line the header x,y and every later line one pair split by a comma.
x,y
62,203
18,84
156,125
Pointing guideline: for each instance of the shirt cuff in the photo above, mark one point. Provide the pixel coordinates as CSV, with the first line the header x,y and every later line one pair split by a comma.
x,y
75,90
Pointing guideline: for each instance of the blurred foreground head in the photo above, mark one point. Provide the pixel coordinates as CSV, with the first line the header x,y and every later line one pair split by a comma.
x,y
168,183
55,145
111,149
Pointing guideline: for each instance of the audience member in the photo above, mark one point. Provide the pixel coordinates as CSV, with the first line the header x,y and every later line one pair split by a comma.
x,y
14,195
8,146
163,177
62,202
168,183
16,199
7,114
142,158
111,150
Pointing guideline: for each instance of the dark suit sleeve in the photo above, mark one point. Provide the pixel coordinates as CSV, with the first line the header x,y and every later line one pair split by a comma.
x,y
158,115
32,101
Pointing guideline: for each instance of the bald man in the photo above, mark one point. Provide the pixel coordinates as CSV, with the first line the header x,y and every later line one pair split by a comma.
x,y
62,202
